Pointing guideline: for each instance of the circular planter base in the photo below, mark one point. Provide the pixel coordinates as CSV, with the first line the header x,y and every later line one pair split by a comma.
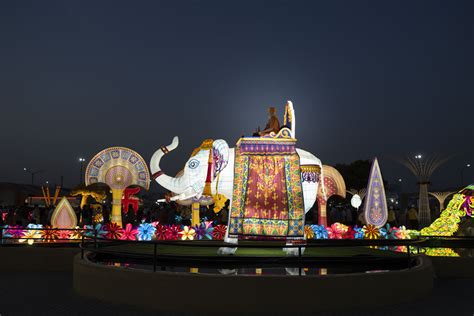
x,y
193,292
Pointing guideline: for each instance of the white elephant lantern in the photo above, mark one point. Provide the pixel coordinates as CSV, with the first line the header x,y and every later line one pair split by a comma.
x,y
195,204
219,173
274,167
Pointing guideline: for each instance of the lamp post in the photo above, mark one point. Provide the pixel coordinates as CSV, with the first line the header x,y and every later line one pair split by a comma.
x,y
81,160
32,174
468,165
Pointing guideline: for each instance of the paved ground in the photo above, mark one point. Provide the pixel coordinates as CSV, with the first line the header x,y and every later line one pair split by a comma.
x,y
52,294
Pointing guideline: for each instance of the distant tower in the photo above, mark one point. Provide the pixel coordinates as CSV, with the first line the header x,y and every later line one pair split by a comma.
x,y
441,197
423,168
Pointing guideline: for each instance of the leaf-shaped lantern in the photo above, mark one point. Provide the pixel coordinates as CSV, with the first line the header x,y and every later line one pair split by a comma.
x,y
63,215
375,208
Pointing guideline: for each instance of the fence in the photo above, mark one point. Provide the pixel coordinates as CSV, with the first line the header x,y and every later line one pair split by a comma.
x,y
100,246
88,240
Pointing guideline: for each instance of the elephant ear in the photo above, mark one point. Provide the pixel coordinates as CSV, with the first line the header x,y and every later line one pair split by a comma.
x,y
220,155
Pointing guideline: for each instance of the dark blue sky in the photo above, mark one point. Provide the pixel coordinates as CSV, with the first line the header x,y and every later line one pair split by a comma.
x,y
366,77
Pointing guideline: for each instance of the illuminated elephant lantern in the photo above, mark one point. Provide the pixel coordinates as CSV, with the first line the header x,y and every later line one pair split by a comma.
x,y
283,185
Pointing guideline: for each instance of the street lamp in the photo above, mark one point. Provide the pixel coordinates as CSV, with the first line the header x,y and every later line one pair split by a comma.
x,y
81,160
32,174
468,165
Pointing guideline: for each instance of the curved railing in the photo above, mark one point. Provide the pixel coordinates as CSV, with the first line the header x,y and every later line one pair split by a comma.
x,y
154,255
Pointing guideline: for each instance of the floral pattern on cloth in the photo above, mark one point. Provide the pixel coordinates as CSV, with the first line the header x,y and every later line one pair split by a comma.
x,y
267,197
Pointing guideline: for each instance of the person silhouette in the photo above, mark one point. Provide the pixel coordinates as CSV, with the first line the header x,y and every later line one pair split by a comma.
x,y
273,124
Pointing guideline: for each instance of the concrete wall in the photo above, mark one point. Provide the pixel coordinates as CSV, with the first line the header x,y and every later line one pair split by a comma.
x,y
34,258
184,292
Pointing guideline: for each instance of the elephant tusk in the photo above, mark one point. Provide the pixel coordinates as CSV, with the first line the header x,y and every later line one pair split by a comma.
x,y
181,196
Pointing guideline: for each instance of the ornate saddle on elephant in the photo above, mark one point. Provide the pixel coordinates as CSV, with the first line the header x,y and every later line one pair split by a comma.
x,y
267,197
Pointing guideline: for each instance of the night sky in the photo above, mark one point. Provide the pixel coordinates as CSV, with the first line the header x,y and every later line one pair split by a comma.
x,y
375,78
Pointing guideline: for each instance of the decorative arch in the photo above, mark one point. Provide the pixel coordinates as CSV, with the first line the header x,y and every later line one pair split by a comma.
x,y
334,184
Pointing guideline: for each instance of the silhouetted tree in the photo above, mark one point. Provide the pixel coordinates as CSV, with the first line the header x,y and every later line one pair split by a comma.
x,y
355,174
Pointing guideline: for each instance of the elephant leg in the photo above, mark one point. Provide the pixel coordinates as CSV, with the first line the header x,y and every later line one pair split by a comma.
x,y
227,271
295,271
294,251
228,250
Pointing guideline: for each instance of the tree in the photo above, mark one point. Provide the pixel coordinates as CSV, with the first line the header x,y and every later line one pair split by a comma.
x,y
355,174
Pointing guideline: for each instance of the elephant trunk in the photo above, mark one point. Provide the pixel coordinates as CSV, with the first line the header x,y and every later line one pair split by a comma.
x,y
175,185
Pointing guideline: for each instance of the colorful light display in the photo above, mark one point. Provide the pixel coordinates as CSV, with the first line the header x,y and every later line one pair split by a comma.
x,y
375,208
267,197
64,215
204,231
119,168
270,203
461,205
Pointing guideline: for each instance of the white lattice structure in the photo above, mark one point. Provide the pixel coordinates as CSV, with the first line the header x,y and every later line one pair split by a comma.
x,y
423,168
441,197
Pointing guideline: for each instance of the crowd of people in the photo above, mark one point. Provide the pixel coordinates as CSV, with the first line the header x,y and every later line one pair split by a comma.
x,y
24,215
350,216
172,213
165,213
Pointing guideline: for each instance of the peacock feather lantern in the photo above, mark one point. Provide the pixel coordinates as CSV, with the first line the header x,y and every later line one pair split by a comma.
x,y
119,168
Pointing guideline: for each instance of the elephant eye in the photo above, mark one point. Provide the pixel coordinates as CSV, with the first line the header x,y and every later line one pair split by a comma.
x,y
193,164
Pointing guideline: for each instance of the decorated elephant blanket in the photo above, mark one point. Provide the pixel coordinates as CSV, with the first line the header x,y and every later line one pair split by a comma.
x,y
267,194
